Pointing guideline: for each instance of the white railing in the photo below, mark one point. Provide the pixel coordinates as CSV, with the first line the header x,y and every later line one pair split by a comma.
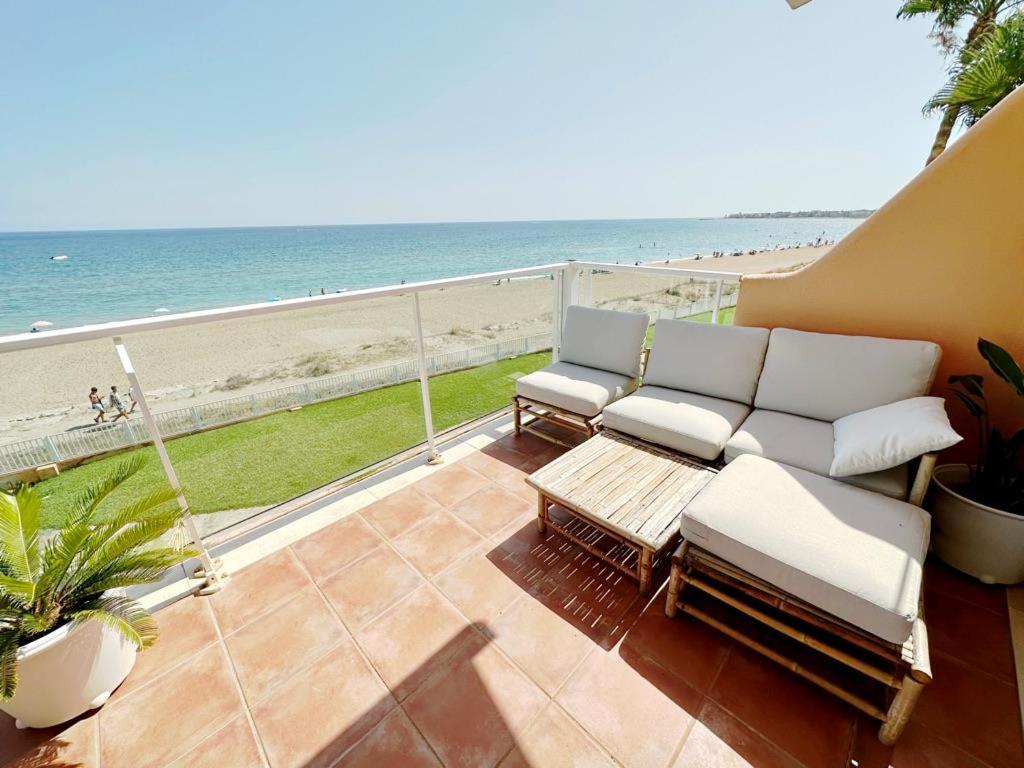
x,y
63,447
571,284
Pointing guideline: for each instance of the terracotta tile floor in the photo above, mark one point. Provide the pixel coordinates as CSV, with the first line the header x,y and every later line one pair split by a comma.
x,y
437,627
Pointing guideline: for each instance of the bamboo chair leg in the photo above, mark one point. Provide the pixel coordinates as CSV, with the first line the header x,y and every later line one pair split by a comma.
x,y
517,416
675,583
645,567
900,710
542,513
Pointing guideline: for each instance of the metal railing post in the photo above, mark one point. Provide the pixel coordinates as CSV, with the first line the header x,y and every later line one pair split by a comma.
x,y
556,314
208,570
718,301
433,457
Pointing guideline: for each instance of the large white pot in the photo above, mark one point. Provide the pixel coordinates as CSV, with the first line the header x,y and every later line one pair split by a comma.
x,y
67,672
985,542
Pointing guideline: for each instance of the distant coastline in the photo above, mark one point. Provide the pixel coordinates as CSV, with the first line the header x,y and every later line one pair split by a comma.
x,y
855,213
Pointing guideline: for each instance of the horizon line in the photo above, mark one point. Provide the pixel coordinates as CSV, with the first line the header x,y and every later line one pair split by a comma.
x,y
367,224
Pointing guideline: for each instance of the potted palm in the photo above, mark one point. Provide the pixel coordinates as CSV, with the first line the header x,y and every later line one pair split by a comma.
x,y
978,510
68,630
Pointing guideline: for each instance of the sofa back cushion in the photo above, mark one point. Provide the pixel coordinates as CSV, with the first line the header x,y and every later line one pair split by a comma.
x,y
715,360
604,339
827,376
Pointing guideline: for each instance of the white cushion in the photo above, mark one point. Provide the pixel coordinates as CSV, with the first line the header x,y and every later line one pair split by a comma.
x,y
706,358
574,388
604,339
890,435
806,444
683,421
828,376
854,554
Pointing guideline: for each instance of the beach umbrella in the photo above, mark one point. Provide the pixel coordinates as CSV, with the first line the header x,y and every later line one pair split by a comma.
x,y
39,324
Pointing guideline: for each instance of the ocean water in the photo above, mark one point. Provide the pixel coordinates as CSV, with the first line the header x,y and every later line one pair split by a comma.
x,y
117,275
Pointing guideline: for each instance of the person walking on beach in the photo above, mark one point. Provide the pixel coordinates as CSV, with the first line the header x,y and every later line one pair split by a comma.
x,y
96,404
131,396
117,403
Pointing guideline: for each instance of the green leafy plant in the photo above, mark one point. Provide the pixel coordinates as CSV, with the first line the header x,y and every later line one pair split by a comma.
x,y
997,479
79,573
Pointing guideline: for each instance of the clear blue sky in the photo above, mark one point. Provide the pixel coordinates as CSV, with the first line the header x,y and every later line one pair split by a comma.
x,y
129,114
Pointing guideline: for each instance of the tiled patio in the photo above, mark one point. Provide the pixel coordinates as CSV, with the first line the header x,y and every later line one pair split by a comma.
x,y
437,626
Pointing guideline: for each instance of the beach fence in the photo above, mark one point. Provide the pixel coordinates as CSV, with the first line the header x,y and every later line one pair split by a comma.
x,y
64,447
693,308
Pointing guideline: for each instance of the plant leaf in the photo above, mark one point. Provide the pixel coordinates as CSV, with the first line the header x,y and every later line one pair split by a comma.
x,y
973,407
124,615
19,533
1005,367
9,638
93,496
972,382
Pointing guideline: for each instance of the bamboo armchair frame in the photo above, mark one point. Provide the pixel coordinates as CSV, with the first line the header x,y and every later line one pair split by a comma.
x,y
535,411
902,670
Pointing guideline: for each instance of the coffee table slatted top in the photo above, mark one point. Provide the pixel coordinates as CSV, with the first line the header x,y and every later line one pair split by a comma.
x,y
634,488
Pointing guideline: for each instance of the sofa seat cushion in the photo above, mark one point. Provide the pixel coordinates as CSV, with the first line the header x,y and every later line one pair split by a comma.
x,y
806,444
683,421
854,554
575,388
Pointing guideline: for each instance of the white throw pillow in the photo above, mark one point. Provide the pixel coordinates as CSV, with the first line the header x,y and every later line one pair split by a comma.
x,y
890,435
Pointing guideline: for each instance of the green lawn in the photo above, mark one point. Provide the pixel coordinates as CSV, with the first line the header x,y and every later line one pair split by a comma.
x,y
278,457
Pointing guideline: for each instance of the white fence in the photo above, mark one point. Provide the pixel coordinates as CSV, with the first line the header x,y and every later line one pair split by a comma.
x,y
692,308
91,441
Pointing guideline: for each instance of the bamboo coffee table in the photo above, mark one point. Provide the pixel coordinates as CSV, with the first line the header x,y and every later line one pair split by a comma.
x,y
624,499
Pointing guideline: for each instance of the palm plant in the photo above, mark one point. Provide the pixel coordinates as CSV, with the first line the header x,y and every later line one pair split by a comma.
x,y
80,572
986,74
981,17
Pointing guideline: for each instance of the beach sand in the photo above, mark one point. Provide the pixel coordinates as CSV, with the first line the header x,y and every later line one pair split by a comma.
x,y
47,389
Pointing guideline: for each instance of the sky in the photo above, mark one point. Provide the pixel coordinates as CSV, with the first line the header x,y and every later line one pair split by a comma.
x,y
195,114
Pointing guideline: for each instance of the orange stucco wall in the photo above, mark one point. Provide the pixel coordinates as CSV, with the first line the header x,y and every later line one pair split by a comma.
x,y
942,260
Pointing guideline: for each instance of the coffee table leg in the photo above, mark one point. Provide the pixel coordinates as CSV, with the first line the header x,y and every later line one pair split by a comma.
x,y
542,513
646,557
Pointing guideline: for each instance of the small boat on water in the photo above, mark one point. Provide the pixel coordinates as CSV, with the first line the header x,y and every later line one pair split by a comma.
x,y
61,257
161,311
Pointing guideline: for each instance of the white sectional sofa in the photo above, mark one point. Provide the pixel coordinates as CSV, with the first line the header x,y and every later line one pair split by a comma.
x,y
721,391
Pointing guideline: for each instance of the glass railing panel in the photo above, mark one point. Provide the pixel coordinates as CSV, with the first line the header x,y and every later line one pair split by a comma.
x,y
479,339
686,297
57,433
257,411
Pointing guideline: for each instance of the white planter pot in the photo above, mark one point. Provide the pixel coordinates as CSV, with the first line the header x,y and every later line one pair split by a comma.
x,y
984,542
67,672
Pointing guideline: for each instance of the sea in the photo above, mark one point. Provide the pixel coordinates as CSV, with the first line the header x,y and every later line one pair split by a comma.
x,y
75,278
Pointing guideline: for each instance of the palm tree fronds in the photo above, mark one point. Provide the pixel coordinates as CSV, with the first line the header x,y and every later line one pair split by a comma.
x,y
20,593
19,533
123,615
8,662
93,496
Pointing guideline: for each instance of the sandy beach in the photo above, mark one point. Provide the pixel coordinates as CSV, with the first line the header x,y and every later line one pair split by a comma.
x,y
48,388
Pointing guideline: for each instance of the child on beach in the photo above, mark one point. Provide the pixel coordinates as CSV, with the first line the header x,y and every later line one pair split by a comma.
x,y
118,403
96,404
